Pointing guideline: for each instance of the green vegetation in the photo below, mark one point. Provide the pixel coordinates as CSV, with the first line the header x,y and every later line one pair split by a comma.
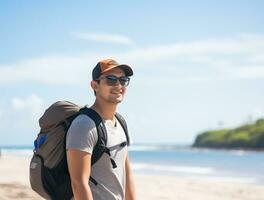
x,y
250,136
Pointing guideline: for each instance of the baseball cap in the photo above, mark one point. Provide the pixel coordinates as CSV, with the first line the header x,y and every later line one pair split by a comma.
x,y
108,64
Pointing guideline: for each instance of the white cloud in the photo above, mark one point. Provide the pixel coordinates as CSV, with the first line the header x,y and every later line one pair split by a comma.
x,y
48,70
201,49
31,106
240,57
251,72
109,38
29,101
20,122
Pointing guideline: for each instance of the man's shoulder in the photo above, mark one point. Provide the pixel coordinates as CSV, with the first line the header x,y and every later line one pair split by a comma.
x,y
82,134
83,120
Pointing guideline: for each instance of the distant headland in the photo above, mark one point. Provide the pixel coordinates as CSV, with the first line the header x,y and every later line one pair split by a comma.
x,y
248,136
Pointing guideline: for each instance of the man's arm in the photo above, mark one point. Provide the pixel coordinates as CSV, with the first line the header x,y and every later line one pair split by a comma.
x,y
79,163
130,193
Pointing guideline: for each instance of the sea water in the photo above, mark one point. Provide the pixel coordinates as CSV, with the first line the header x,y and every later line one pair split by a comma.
x,y
225,165
184,161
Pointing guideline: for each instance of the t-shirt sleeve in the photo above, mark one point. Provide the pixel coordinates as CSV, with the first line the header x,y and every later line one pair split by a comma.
x,y
82,134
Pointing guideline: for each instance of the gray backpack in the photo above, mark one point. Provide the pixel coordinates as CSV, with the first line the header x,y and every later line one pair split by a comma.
x,y
49,175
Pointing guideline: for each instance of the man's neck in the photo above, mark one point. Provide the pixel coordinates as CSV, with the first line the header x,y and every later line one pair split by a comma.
x,y
105,110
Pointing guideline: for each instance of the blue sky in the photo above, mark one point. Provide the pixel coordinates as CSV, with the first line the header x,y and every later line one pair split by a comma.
x,y
198,65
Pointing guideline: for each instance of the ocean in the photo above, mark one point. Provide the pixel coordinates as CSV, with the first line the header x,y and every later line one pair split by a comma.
x,y
184,161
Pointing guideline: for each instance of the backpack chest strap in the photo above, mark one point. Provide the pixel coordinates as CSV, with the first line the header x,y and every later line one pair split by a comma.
x,y
108,152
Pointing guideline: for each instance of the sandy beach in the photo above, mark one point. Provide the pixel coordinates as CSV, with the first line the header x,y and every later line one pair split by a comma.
x,y
14,184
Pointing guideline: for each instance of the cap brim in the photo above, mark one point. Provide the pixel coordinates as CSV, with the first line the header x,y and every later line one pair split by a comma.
x,y
128,70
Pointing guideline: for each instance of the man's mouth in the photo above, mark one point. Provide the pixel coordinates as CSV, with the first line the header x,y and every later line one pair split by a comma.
x,y
116,92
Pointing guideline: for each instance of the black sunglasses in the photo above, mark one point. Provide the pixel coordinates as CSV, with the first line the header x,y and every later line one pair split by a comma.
x,y
112,80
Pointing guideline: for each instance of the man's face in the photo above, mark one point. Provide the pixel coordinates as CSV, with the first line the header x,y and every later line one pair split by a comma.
x,y
110,93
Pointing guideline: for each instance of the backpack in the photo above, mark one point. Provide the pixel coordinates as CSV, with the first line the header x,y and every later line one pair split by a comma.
x,y
49,175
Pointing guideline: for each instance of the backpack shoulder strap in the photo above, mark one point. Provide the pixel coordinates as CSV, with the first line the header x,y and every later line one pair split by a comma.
x,y
100,146
123,123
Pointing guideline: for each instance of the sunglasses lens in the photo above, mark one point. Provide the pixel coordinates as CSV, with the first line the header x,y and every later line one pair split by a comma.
x,y
124,81
111,80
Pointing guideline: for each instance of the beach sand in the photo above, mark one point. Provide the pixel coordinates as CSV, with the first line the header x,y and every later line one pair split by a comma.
x,y
14,184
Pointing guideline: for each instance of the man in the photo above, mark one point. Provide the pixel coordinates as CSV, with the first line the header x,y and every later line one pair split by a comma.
x,y
110,81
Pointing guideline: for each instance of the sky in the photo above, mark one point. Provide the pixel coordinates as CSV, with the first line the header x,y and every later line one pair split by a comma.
x,y
198,65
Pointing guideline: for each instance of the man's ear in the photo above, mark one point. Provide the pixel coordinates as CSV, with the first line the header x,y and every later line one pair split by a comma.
x,y
94,85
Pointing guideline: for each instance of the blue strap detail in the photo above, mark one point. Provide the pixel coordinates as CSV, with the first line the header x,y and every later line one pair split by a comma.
x,y
42,139
35,145
39,141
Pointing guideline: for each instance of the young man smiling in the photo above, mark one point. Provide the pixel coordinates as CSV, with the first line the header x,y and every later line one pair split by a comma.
x,y
110,81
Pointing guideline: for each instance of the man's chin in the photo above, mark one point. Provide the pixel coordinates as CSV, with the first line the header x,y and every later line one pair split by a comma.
x,y
117,100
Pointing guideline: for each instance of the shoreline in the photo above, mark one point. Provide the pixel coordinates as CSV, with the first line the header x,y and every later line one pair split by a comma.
x,y
261,150
14,184
29,148
204,166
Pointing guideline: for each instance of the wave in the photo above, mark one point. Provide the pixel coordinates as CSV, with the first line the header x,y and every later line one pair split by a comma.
x,y
158,147
183,147
193,172
172,169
